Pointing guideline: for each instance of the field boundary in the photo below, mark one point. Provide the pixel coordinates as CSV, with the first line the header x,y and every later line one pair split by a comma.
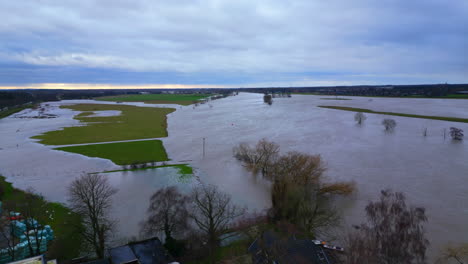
x,y
363,110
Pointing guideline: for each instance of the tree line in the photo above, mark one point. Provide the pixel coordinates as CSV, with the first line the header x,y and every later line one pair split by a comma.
x,y
193,225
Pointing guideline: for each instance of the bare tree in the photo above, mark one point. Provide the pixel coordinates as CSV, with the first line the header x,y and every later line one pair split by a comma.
x,y
299,193
359,117
393,233
389,124
90,196
455,254
213,212
259,158
167,213
456,133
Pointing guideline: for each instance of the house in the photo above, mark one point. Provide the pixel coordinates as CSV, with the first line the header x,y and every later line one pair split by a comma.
x,y
150,251
271,248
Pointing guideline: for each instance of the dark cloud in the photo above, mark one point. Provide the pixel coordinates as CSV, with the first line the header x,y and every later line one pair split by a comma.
x,y
234,42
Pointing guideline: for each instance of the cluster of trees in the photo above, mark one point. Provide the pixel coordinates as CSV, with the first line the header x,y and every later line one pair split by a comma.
x,y
456,133
390,124
300,194
268,99
206,214
194,225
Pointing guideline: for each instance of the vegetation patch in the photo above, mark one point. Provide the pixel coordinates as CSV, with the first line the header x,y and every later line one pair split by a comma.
x,y
308,93
352,109
184,169
181,99
64,223
133,123
338,98
123,153
13,110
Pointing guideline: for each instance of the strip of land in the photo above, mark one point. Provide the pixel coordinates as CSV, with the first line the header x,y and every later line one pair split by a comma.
x,y
448,96
184,169
352,109
335,98
181,99
123,153
133,123
13,110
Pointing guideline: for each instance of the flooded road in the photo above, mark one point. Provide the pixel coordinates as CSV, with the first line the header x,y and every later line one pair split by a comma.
x,y
431,171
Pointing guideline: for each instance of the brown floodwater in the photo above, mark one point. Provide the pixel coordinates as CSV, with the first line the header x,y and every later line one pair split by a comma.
x,y
431,170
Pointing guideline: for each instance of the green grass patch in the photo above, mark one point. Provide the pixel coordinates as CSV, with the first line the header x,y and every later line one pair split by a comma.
x,y
123,153
67,242
133,123
352,109
456,96
181,99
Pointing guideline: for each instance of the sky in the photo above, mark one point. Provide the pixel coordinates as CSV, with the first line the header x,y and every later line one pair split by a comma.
x,y
231,43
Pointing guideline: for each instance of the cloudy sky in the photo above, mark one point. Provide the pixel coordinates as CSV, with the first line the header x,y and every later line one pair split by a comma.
x,y
232,43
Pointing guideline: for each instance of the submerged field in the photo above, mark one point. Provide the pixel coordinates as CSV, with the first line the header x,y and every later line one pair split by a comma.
x,y
430,169
181,99
133,123
123,153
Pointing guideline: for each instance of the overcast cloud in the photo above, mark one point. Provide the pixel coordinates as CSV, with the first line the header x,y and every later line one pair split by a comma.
x,y
234,43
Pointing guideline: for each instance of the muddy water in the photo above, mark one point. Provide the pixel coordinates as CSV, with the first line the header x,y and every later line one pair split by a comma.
x,y
431,170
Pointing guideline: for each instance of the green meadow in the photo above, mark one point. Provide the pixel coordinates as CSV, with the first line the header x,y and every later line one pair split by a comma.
x,y
123,153
181,99
133,123
352,109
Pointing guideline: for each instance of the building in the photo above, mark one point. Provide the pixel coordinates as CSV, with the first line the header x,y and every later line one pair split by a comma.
x,y
150,251
271,248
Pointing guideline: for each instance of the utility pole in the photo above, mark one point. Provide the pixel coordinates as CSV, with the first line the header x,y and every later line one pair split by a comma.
x,y
203,147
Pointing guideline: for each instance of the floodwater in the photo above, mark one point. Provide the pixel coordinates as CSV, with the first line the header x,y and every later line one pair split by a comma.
x,y
431,170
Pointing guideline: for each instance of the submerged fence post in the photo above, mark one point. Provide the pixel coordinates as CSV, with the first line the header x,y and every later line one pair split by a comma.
x,y
203,147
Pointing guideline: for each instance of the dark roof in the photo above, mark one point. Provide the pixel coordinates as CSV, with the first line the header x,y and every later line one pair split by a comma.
x,y
122,254
150,251
98,261
271,247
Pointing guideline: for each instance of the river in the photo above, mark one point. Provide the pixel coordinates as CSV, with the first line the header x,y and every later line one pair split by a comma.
x,y
431,170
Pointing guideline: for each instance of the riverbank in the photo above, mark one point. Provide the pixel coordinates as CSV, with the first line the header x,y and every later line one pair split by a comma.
x,y
14,110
